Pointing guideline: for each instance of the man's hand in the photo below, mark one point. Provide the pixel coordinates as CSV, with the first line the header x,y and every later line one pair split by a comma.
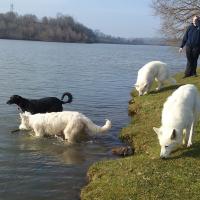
x,y
180,50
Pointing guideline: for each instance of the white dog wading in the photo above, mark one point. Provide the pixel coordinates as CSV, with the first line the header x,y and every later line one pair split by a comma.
x,y
70,124
179,116
153,70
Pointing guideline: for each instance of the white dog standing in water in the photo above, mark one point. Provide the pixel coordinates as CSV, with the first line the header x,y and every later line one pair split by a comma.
x,y
179,115
68,123
153,70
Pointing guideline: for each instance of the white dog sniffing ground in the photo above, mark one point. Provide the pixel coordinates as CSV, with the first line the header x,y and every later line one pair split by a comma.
x,y
153,70
179,116
68,123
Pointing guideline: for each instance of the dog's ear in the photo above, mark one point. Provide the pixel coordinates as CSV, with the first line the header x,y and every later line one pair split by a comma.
x,y
173,136
27,113
22,115
25,118
157,130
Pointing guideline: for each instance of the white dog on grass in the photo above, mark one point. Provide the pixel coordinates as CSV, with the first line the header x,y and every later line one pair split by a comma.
x,y
179,116
69,124
153,70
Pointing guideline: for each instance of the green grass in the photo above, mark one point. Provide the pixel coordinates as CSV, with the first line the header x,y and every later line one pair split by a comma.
x,y
144,175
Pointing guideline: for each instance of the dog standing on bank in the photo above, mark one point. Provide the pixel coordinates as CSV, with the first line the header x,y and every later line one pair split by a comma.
x,y
153,70
180,113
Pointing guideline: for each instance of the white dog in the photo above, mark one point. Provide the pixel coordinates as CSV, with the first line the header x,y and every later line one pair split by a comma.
x,y
70,124
153,70
179,116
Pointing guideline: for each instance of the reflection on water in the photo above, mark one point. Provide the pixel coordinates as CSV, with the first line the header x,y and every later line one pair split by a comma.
x,y
100,77
64,153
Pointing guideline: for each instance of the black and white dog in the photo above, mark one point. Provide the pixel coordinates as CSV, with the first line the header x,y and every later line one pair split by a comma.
x,y
44,105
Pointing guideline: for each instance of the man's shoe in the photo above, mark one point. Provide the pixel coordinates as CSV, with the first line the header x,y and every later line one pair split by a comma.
x,y
186,76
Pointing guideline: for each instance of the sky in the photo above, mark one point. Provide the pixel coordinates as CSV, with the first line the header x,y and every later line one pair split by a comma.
x,y
123,18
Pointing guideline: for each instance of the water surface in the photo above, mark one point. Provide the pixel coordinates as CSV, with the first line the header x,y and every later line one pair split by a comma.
x,y
99,76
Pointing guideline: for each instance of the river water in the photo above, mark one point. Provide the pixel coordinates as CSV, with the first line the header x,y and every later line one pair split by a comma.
x,y
99,76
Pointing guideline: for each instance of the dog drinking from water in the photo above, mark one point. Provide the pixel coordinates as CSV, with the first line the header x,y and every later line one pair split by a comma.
x,y
70,124
48,104
179,116
153,70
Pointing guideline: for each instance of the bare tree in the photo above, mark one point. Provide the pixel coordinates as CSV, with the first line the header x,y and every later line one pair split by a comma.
x,y
175,15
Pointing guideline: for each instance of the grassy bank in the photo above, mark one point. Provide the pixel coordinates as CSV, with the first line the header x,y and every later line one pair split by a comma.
x,y
144,175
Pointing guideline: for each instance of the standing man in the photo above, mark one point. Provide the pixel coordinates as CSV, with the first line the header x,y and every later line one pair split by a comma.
x,y
191,40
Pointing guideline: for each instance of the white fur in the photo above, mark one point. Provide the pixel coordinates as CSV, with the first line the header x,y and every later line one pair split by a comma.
x,y
153,70
179,116
68,123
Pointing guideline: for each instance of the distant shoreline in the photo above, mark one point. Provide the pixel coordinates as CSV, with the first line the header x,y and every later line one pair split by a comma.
x,y
62,28
145,44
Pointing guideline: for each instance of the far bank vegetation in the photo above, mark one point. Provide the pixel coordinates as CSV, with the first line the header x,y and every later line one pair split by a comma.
x,y
28,27
62,28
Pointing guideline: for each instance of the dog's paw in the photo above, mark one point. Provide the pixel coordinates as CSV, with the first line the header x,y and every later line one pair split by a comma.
x,y
158,88
184,142
189,144
145,93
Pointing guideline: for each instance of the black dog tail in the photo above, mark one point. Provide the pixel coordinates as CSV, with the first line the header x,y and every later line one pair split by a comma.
x,y
69,95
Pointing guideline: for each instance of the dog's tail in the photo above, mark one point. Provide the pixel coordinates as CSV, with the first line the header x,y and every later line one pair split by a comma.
x,y
93,128
69,95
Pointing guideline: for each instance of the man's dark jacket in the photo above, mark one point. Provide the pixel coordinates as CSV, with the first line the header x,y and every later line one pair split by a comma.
x,y
192,36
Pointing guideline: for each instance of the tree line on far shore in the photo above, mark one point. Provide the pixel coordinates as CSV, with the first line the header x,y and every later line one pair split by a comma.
x,y
62,28
29,27
175,16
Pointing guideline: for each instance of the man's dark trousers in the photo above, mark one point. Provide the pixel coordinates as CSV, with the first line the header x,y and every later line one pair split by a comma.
x,y
192,54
